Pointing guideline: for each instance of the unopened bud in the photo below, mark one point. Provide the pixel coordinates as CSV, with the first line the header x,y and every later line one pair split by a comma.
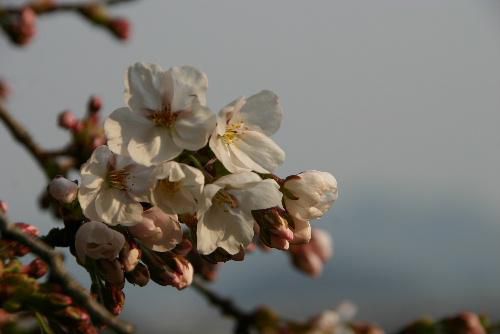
x,y
184,247
111,271
120,27
170,269
4,207
21,27
310,258
130,256
114,299
94,104
139,276
63,190
274,228
67,120
36,268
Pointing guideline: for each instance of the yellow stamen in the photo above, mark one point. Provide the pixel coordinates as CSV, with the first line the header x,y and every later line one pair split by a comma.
x,y
224,198
117,179
232,132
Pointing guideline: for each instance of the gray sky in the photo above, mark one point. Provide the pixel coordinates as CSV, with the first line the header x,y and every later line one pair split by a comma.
x,y
398,99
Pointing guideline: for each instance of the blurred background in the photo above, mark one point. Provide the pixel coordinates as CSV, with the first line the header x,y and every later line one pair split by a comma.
x,y
400,100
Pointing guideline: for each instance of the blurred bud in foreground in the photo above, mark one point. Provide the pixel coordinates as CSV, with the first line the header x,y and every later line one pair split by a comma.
x,y
4,207
464,323
5,90
121,28
94,104
310,258
20,27
63,190
36,268
68,120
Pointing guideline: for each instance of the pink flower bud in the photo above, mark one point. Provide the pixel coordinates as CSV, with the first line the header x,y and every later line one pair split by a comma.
x,y
274,229
120,27
67,120
310,258
158,231
94,104
28,229
63,190
25,28
4,207
97,241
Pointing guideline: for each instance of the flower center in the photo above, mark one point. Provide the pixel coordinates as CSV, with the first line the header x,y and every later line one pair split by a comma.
x,y
224,198
117,179
232,132
165,117
170,187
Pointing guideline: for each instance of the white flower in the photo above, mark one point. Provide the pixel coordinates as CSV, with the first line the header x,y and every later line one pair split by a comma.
x,y
158,231
241,139
225,219
97,241
166,114
112,186
310,194
178,187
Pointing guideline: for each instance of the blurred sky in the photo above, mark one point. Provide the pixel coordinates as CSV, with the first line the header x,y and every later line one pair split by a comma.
x,y
400,100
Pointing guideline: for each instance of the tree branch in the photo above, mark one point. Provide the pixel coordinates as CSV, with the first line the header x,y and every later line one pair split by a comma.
x,y
59,272
226,306
22,135
62,7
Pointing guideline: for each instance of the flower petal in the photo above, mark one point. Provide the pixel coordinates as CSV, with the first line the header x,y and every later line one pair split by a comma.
x,y
260,195
192,128
121,126
262,112
116,207
258,152
145,87
187,83
229,230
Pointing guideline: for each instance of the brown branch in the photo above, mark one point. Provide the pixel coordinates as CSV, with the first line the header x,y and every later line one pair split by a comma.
x,y
55,260
62,7
226,306
19,132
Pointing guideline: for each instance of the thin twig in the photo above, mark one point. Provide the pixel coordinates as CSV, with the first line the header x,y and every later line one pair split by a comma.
x,y
58,271
19,132
63,7
226,306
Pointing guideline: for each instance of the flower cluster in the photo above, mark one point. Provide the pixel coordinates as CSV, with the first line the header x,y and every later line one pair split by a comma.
x,y
176,182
